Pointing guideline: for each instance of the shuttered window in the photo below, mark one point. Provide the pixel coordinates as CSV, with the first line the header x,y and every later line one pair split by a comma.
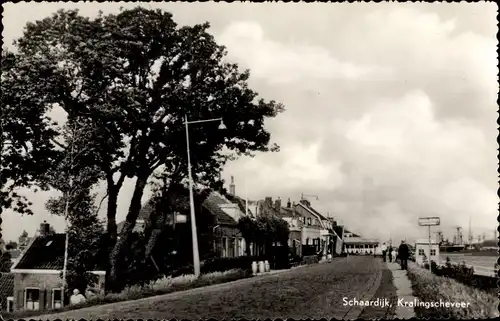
x,y
57,299
32,299
10,304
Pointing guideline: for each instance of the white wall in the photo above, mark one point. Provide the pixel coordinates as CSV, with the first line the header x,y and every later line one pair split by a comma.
x,y
419,247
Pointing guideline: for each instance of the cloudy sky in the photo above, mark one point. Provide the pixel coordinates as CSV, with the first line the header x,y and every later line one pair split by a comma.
x,y
390,108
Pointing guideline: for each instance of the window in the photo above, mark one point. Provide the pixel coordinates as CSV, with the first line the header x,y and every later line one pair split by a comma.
x,y
304,219
10,304
433,251
421,252
56,298
224,247
308,221
32,299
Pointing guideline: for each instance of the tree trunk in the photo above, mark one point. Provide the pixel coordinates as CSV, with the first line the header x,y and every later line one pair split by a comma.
x,y
111,215
121,242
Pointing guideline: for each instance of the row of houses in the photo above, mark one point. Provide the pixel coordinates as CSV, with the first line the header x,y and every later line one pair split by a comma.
x,y
35,284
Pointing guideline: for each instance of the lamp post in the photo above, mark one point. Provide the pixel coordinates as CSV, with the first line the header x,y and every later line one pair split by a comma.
x,y
194,234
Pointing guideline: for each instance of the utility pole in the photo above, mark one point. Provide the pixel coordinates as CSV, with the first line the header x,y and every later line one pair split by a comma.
x,y
66,208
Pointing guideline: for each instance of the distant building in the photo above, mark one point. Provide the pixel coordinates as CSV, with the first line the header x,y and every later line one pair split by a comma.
x,y
423,252
356,244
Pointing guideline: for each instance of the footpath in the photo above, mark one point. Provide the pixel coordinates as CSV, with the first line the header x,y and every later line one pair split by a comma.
x,y
403,290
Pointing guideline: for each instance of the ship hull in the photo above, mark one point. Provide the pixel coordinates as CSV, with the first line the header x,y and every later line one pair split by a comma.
x,y
452,248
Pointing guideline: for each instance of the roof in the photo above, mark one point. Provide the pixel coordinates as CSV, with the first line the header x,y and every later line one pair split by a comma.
x,y
354,234
44,253
360,240
425,241
287,212
240,202
212,205
6,285
312,210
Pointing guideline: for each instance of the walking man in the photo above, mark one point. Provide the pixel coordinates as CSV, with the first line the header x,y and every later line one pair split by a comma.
x,y
384,251
404,253
390,253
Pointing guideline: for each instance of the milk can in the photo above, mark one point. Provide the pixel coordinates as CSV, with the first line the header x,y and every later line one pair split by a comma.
x,y
261,267
254,267
267,267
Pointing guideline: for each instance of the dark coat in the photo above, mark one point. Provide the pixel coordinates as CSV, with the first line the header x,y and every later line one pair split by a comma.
x,y
404,251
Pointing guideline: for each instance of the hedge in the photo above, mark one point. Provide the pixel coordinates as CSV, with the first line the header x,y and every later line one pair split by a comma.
x,y
463,274
428,287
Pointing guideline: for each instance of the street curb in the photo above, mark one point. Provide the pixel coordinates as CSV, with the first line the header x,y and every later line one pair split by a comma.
x,y
354,313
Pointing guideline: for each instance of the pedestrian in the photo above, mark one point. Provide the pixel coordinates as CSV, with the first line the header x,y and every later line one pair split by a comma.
x,y
384,250
76,298
390,253
403,253
394,255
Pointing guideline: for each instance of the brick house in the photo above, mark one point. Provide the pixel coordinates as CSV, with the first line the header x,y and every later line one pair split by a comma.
x,y
37,273
295,224
221,229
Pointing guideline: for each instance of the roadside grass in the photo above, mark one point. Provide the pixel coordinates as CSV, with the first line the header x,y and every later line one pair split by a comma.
x,y
314,291
428,287
162,286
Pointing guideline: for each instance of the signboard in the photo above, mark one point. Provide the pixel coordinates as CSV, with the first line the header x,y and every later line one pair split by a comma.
x,y
428,221
180,218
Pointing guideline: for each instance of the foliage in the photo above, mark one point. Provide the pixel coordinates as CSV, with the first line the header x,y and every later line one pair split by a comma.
x,y
85,238
130,79
5,263
463,274
11,245
264,231
431,288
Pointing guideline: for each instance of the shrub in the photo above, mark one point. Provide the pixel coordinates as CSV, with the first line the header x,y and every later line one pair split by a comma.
x,y
221,265
310,259
431,288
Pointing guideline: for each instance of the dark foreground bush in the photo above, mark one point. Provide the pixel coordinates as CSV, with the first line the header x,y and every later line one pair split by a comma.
x,y
432,289
464,274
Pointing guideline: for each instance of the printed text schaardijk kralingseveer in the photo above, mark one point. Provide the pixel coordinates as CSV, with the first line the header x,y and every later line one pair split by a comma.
x,y
403,303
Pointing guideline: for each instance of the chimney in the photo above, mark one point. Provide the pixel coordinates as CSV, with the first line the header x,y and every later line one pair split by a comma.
x,y
44,228
288,204
269,201
277,204
232,187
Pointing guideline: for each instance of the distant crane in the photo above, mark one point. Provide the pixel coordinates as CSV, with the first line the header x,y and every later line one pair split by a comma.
x,y
459,238
439,236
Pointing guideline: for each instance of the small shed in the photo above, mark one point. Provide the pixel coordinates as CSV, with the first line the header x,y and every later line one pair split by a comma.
x,y
423,252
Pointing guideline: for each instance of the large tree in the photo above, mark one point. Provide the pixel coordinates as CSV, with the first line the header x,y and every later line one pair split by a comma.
x,y
132,77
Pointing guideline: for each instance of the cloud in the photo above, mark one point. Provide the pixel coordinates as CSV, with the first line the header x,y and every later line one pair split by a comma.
x,y
285,63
